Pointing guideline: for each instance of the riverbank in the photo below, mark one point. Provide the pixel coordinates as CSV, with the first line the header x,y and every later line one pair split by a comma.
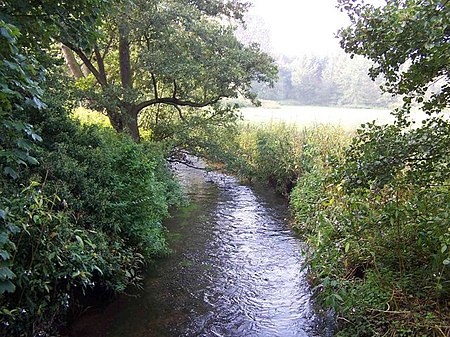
x,y
86,220
377,253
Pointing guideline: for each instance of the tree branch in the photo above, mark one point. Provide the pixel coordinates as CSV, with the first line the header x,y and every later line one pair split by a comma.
x,y
179,161
180,113
71,61
89,65
175,101
100,64
155,86
111,39
174,89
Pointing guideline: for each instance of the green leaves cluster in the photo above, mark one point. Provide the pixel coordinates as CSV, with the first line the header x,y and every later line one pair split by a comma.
x,y
90,219
408,41
18,92
181,54
378,233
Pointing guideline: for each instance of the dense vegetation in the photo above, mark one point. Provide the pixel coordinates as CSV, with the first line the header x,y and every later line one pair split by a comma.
x,y
81,206
375,223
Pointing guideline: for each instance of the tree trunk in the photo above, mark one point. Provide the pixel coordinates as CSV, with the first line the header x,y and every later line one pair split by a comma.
x,y
129,111
126,121
133,129
85,70
124,56
71,62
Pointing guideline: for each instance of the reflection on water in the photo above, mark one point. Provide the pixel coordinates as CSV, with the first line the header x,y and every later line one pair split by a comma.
x,y
236,270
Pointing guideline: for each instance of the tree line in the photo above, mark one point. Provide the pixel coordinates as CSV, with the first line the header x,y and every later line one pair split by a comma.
x,y
331,80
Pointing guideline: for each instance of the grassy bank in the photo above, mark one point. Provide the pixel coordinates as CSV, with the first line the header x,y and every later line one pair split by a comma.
x,y
376,225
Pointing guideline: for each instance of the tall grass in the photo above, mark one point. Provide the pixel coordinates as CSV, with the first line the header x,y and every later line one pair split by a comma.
x,y
280,153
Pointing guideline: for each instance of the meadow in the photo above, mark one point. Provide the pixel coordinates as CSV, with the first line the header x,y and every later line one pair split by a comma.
x,y
349,118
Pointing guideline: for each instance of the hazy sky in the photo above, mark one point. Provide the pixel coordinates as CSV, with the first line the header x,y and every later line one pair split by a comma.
x,y
301,26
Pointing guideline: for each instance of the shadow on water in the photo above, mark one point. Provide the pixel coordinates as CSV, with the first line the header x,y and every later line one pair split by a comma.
x,y
236,270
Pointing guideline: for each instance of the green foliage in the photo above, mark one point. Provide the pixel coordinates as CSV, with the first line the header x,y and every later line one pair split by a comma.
x,y
91,117
80,207
90,218
277,154
412,53
379,220
48,20
18,93
174,54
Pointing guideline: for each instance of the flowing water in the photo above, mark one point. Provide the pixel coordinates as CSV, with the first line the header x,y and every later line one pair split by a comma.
x,y
236,270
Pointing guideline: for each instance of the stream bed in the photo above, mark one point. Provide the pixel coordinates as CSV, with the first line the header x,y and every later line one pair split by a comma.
x,y
235,270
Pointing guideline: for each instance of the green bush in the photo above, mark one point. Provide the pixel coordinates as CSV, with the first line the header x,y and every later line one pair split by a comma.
x,y
88,217
378,235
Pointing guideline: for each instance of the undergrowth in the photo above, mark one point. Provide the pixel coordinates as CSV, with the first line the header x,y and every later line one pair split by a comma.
x,y
86,219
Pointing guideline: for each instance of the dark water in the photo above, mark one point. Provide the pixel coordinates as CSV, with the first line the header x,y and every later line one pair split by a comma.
x,y
236,270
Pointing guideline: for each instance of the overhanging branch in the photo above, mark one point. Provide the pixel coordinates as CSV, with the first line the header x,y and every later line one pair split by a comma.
x,y
175,102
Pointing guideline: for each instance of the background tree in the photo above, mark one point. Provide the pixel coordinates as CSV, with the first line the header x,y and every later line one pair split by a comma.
x,y
330,80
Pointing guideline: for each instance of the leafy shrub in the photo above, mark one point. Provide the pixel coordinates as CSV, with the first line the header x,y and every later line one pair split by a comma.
x,y
88,217
379,233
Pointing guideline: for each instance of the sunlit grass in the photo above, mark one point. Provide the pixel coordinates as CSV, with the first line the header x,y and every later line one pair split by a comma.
x,y
90,117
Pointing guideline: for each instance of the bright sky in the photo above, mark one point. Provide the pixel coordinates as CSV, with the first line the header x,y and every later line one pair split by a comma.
x,y
302,26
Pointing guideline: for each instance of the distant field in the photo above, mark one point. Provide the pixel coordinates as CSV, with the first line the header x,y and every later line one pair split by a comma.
x,y
308,115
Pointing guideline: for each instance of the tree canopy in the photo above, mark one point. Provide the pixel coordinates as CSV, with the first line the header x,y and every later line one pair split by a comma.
x,y
174,53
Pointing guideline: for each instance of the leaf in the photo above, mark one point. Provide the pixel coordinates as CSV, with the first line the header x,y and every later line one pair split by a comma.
x,y
31,160
6,273
338,297
7,34
4,255
80,241
7,286
2,214
24,144
4,238
36,137
10,172
347,247
444,248
97,269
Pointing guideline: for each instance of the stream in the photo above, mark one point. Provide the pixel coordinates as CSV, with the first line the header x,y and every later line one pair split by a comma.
x,y
235,270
